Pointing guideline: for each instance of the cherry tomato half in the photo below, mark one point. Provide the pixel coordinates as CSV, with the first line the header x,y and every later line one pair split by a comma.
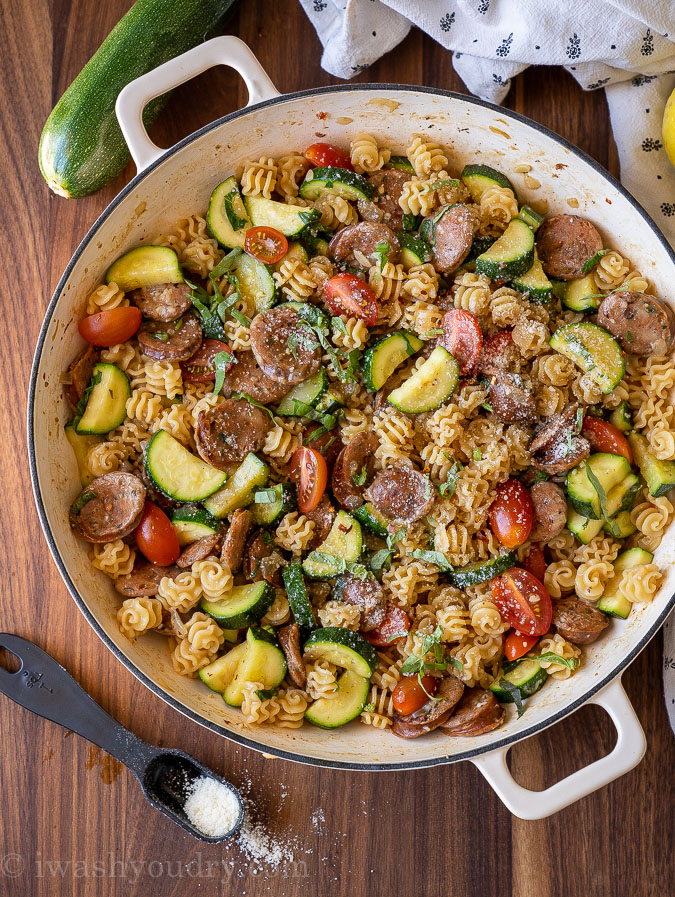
x,y
348,294
309,472
395,621
463,338
200,367
516,645
108,328
511,514
265,244
409,695
535,562
155,536
326,155
523,601
496,352
604,437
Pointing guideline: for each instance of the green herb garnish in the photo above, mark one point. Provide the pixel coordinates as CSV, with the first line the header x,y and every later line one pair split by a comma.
x,y
83,499
266,693
252,401
551,657
382,558
477,454
381,253
359,478
515,694
221,360
448,487
433,557
160,335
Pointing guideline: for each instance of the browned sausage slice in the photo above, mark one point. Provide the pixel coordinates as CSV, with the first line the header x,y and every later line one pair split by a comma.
x,y
556,447
477,712
171,340
385,205
289,639
164,302
285,349
356,460
199,550
642,325
323,516
362,238
366,594
433,714
79,375
235,538
109,508
144,579
246,376
498,352
550,511
401,493
510,401
565,243
226,433
578,622
451,236
262,560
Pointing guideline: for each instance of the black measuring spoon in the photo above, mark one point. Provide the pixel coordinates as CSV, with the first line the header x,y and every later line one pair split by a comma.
x,y
45,687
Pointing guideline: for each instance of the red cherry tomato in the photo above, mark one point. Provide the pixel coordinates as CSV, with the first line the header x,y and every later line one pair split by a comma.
x,y
511,514
463,338
155,536
309,472
107,328
535,562
495,353
200,367
265,244
516,645
324,155
523,601
348,294
604,437
409,695
395,621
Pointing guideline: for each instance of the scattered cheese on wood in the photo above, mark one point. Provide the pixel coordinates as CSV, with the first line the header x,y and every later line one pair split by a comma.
x,y
211,807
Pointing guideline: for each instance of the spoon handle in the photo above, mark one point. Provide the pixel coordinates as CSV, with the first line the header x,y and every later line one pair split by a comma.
x,y
45,687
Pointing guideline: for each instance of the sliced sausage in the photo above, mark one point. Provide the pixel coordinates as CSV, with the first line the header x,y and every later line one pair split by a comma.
x,y
578,622
498,352
109,508
433,714
401,493
362,238
247,376
565,243
226,433
365,593
550,511
171,340
323,516
477,712
451,236
385,205
235,538
287,351
354,457
199,550
262,560
556,446
289,639
509,399
164,302
79,375
144,579
642,325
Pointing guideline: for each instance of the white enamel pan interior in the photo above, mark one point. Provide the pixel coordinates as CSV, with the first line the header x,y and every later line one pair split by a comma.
x,y
175,183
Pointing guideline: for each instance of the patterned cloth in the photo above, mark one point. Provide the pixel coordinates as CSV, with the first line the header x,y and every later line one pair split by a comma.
x,y
625,46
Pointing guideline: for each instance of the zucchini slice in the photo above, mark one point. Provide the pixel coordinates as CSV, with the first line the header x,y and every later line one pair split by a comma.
x,y
481,571
227,218
343,543
344,648
239,489
527,676
622,417
330,402
534,284
290,220
81,443
592,349
619,501
414,250
177,472
255,282
242,606
621,525
339,181
329,713
307,393
479,177
530,217
145,266
370,517
220,672
610,470
193,523
401,163
263,661
659,475
431,384
581,294
480,245
270,505
297,596
613,602
381,360
509,256
106,404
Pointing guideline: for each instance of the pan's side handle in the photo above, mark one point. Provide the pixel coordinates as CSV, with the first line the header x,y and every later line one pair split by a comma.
x,y
627,753
137,94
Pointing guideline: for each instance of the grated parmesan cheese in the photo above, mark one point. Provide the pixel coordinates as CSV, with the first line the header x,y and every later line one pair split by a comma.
x,y
211,807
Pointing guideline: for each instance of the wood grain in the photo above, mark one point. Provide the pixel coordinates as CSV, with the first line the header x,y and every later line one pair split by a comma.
x,y
431,832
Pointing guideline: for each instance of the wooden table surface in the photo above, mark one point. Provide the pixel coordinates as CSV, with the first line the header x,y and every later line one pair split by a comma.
x,y
67,829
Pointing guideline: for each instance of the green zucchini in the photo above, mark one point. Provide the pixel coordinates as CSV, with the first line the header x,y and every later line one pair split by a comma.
x,y
306,393
106,400
622,417
620,500
613,602
192,523
241,606
270,505
81,147
290,220
255,282
610,470
401,163
298,599
339,181
177,472
370,517
511,255
220,672
227,218
590,263
263,661
344,648
431,384
338,710
620,526
381,360
527,676
414,250
480,245
81,443
295,251
239,489
530,217
592,349
330,402
343,544
481,571
479,177
659,475
534,284
581,294
145,266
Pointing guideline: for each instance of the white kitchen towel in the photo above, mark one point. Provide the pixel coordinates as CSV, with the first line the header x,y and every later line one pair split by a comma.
x,y
625,46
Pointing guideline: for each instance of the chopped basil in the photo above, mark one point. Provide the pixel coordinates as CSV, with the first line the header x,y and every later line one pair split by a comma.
x,y
236,221
629,336
444,182
266,693
251,401
514,691
160,335
590,263
602,495
448,487
477,454
433,557
359,478
437,331
579,421
267,538
381,253
540,476
226,264
411,222
368,708
178,324
265,496
83,499
338,324
82,404
552,657
220,362
428,488
393,638
383,557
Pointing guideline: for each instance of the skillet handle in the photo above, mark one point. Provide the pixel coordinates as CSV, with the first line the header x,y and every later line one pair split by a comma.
x,y
628,751
133,98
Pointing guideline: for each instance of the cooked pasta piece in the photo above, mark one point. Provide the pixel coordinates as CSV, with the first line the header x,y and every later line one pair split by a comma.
x,y
139,615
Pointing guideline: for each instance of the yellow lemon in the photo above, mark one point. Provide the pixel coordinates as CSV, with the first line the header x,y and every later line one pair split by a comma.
x,y
669,127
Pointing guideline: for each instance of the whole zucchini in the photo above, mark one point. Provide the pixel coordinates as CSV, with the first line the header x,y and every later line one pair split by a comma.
x,y
81,147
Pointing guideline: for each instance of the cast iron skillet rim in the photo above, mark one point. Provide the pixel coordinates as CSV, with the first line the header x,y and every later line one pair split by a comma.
x,y
98,629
